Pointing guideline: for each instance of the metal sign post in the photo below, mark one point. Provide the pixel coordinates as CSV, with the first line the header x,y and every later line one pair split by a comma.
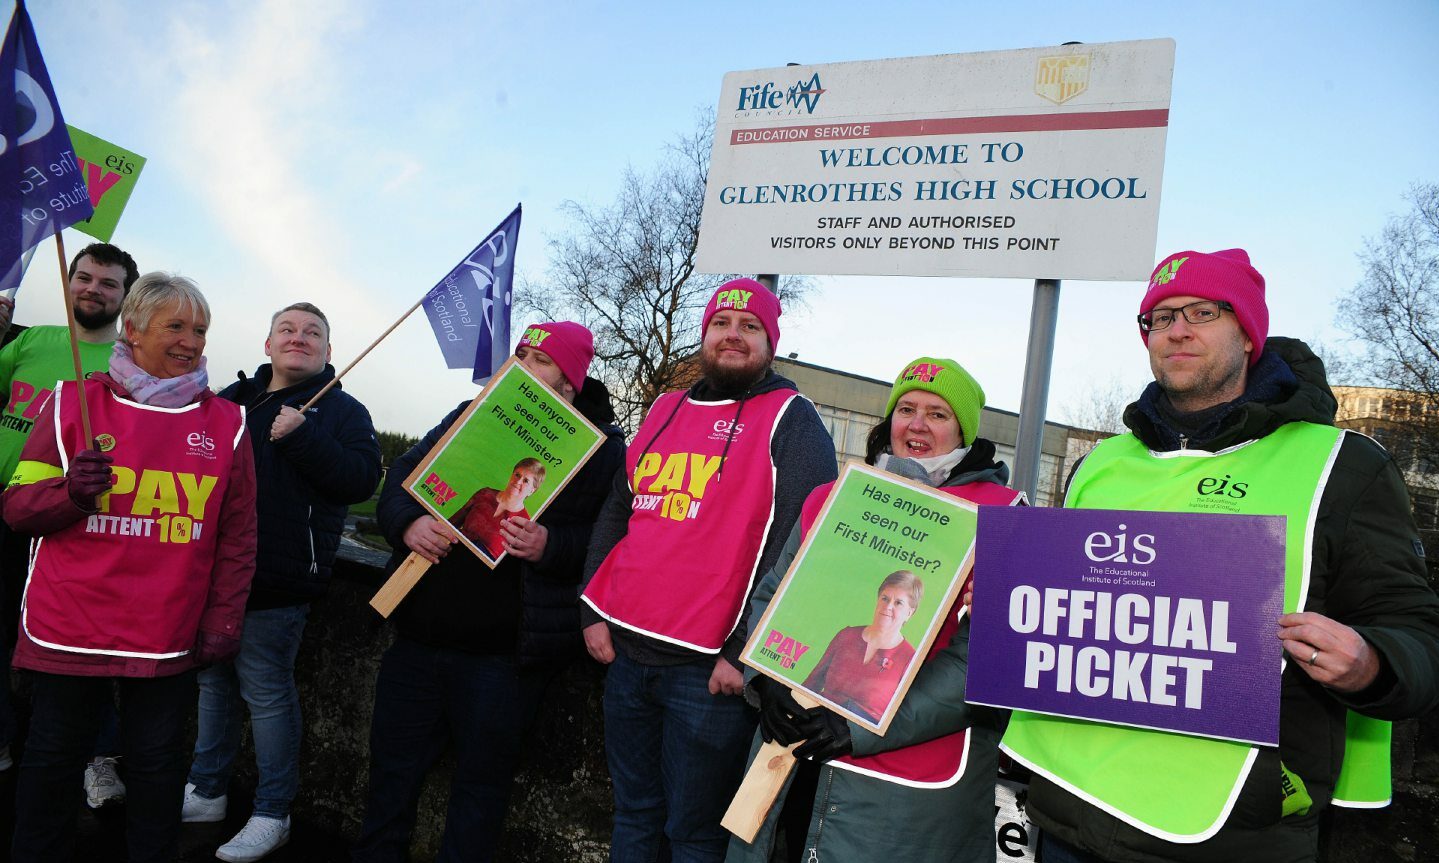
x,y
1039,358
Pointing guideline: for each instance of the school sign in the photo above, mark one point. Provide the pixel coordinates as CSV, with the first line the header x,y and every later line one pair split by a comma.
x,y
1038,163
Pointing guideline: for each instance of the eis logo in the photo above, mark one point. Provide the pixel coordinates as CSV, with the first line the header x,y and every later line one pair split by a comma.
x,y
922,372
1213,485
533,337
1101,547
201,444
770,98
725,429
673,485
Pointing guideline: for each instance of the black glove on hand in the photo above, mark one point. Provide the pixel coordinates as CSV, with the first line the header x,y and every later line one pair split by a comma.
x,y
826,733
89,477
778,712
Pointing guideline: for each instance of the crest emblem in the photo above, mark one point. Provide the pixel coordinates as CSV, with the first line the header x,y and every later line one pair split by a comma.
x,y
1060,79
104,442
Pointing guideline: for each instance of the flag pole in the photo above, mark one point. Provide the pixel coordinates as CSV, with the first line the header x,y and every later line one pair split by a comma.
x,y
74,339
356,360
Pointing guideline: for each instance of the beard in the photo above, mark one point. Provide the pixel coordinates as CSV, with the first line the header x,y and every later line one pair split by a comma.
x,y
96,319
733,379
1219,382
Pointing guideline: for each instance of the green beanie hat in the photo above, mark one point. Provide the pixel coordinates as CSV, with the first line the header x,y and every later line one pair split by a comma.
x,y
948,380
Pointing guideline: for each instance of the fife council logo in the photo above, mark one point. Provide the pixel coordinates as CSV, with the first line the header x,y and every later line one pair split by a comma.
x,y
772,99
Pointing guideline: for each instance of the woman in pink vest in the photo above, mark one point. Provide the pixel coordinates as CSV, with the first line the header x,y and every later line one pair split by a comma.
x,y
139,574
924,792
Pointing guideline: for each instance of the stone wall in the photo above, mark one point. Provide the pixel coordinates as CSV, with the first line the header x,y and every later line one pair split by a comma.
x,y
560,809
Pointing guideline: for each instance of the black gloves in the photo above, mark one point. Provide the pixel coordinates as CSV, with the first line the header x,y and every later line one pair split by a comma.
x,y
826,735
778,712
89,477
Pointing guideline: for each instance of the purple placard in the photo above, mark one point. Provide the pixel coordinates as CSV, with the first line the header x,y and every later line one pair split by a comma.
x,y
1153,619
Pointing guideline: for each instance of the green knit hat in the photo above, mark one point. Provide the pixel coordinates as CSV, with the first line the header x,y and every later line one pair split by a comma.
x,y
948,380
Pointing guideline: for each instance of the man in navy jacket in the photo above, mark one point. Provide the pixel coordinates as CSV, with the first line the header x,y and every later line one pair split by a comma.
x,y
310,467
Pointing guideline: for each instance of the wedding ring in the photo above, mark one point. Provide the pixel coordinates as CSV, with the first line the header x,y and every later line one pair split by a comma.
x,y
1314,656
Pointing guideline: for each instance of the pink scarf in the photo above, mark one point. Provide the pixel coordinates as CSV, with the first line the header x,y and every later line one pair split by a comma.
x,y
147,389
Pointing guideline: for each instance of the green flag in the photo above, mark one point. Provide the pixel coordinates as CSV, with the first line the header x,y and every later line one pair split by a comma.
x,y
110,173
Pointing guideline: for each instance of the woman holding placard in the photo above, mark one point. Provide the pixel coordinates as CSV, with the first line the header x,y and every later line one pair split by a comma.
x,y
931,776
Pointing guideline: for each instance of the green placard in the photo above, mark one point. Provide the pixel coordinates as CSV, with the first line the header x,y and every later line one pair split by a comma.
x,y
518,438
824,631
110,173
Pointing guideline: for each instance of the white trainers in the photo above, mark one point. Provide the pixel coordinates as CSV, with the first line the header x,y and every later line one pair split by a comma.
x,y
257,838
102,783
201,810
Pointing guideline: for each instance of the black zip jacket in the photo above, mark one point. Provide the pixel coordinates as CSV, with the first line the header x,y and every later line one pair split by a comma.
x,y
305,482
521,609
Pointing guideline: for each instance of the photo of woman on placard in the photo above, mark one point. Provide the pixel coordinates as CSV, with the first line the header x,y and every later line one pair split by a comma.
x,y
862,666
480,518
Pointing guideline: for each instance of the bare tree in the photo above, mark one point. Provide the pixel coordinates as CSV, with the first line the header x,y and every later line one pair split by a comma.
x,y
1394,314
626,270
1101,407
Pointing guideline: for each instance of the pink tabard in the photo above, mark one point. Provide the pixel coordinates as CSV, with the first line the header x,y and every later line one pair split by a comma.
x,y
685,566
132,580
937,763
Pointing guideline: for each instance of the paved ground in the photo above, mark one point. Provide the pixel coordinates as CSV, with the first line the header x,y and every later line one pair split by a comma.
x,y
101,834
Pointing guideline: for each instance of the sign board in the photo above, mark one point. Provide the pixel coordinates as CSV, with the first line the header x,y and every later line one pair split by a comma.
x,y
509,453
866,595
1038,163
1149,619
110,172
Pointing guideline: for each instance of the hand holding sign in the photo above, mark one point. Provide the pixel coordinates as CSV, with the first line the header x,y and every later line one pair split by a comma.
x,y
1329,652
429,538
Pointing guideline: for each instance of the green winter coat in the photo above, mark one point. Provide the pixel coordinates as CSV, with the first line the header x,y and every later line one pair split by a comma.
x,y
858,818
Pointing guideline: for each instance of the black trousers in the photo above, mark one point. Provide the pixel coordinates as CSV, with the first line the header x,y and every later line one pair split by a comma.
x,y
65,718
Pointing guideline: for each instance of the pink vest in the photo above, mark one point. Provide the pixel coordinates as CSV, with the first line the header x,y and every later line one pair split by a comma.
x,y
937,763
685,566
133,579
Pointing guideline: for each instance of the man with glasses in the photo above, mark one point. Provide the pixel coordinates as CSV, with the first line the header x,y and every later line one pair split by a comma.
x,y
1361,633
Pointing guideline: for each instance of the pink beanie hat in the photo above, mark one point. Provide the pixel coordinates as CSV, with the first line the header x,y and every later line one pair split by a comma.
x,y
747,295
569,344
1225,276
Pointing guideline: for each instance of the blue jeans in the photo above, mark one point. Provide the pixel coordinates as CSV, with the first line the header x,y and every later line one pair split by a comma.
x,y
263,677
676,757
64,719
425,698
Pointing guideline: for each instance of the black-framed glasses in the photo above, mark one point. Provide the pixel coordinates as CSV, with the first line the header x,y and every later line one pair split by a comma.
x,y
1201,312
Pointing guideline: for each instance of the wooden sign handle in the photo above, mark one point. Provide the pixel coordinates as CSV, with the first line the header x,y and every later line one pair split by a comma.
x,y
762,783
399,585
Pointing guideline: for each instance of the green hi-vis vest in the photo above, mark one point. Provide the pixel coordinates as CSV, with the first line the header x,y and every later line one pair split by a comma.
x,y
1178,787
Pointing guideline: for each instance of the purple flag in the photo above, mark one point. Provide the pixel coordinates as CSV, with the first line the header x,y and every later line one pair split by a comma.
x,y
41,188
1155,619
469,309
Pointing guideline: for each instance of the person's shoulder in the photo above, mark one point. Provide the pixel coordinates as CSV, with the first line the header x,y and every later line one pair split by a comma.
x,y
36,336
1360,457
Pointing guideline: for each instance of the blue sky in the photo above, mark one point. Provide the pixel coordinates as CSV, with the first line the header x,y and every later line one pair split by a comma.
x,y
350,153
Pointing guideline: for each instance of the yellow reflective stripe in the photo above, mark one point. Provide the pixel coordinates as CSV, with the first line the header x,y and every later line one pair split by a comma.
x,y
27,472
